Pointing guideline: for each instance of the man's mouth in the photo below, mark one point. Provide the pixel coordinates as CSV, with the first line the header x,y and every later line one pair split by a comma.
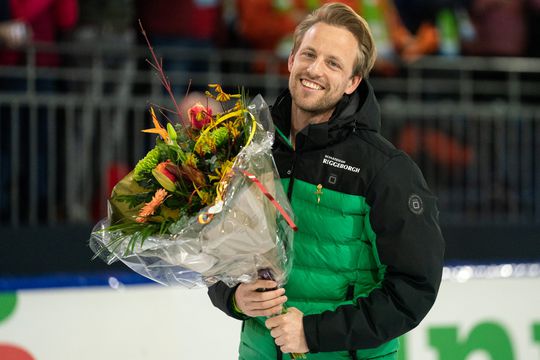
x,y
311,84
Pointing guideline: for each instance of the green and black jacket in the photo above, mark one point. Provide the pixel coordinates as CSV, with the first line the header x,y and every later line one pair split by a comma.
x,y
368,254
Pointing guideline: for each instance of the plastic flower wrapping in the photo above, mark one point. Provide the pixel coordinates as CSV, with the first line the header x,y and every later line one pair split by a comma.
x,y
205,204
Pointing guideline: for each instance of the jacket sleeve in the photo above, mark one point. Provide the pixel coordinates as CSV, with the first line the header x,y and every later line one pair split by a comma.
x,y
221,296
410,246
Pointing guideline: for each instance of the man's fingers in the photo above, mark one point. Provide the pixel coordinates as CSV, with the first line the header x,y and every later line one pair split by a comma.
x,y
276,333
269,295
285,349
273,322
254,303
262,305
262,284
264,296
280,341
268,312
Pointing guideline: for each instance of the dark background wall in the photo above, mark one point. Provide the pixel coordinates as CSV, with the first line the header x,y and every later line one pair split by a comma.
x,y
29,251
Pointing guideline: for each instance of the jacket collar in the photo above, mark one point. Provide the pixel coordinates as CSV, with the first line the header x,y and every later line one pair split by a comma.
x,y
359,110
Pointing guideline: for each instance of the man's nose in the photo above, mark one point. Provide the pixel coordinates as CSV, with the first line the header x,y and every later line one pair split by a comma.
x,y
316,67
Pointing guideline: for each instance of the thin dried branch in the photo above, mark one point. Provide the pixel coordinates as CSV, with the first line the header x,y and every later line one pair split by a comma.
x,y
157,64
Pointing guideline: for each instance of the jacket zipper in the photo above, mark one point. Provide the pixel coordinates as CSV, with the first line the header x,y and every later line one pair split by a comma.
x,y
291,180
350,296
290,172
279,353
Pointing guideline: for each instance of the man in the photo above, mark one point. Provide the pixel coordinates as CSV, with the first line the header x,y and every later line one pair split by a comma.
x,y
368,253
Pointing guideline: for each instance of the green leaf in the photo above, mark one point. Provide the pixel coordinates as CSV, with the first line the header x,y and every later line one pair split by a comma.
x,y
164,181
135,199
180,155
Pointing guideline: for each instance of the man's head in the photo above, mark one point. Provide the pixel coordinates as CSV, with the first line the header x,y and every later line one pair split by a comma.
x,y
333,50
341,15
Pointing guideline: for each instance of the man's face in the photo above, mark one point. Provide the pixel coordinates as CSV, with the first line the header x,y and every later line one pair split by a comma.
x,y
321,68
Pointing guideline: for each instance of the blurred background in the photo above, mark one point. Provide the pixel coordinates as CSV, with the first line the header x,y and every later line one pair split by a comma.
x,y
458,82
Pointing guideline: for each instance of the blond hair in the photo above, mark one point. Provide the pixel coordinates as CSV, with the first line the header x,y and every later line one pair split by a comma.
x,y
341,15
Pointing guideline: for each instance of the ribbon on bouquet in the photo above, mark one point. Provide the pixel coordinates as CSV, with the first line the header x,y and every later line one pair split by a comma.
x,y
261,187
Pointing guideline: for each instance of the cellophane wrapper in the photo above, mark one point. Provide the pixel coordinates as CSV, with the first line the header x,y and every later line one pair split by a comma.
x,y
248,234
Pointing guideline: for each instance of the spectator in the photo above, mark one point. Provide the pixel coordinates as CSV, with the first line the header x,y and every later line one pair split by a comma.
x,y
533,19
270,31
273,32
43,19
27,21
402,43
500,26
111,24
193,24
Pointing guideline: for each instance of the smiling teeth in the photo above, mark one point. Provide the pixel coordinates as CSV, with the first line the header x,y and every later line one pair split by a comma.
x,y
311,85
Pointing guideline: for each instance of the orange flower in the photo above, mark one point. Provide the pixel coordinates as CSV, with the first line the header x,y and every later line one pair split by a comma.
x,y
150,208
158,129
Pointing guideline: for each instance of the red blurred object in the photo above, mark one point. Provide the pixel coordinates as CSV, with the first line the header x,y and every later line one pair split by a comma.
x,y
114,173
12,352
441,148
183,19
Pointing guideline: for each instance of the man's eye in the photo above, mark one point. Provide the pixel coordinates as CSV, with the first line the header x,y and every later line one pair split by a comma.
x,y
334,64
309,55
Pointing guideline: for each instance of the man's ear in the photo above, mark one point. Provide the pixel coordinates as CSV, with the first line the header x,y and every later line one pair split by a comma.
x,y
290,61
354,81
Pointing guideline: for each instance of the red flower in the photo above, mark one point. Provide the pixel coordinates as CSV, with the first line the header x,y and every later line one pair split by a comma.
x,y
199,115
162,168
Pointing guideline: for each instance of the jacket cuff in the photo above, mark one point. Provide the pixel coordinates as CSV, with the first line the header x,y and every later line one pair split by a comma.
x,y
234,307
311,332
234,310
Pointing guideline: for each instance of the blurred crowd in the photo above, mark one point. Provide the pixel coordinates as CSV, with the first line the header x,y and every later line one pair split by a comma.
x,y
404,30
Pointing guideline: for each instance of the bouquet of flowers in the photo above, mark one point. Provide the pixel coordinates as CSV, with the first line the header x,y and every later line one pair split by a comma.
x,y
205,204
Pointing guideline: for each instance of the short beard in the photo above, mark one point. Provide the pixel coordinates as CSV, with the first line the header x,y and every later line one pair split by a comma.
x,y
317,109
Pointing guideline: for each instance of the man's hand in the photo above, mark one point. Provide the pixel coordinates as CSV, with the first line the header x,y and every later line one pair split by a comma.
x,y
288,331
254,299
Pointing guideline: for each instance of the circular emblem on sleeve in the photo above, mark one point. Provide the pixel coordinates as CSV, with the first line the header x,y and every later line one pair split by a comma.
x,y
416,205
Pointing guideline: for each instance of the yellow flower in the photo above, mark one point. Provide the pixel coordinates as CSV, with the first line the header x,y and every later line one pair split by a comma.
x,y
221,95
158,129
150,208
222,171
237,106
205,145
232,128
206,197
191,160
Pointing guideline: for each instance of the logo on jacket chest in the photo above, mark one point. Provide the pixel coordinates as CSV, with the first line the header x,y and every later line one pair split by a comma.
x,y
339,164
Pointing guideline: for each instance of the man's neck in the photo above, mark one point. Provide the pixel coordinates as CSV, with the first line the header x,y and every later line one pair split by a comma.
x,y
300,119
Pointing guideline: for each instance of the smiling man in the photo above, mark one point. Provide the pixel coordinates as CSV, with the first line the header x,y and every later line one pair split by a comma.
x,y
321,72
368,253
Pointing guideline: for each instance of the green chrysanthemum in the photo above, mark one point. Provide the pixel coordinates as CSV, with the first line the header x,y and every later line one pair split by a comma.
x,y
220,135
146,164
